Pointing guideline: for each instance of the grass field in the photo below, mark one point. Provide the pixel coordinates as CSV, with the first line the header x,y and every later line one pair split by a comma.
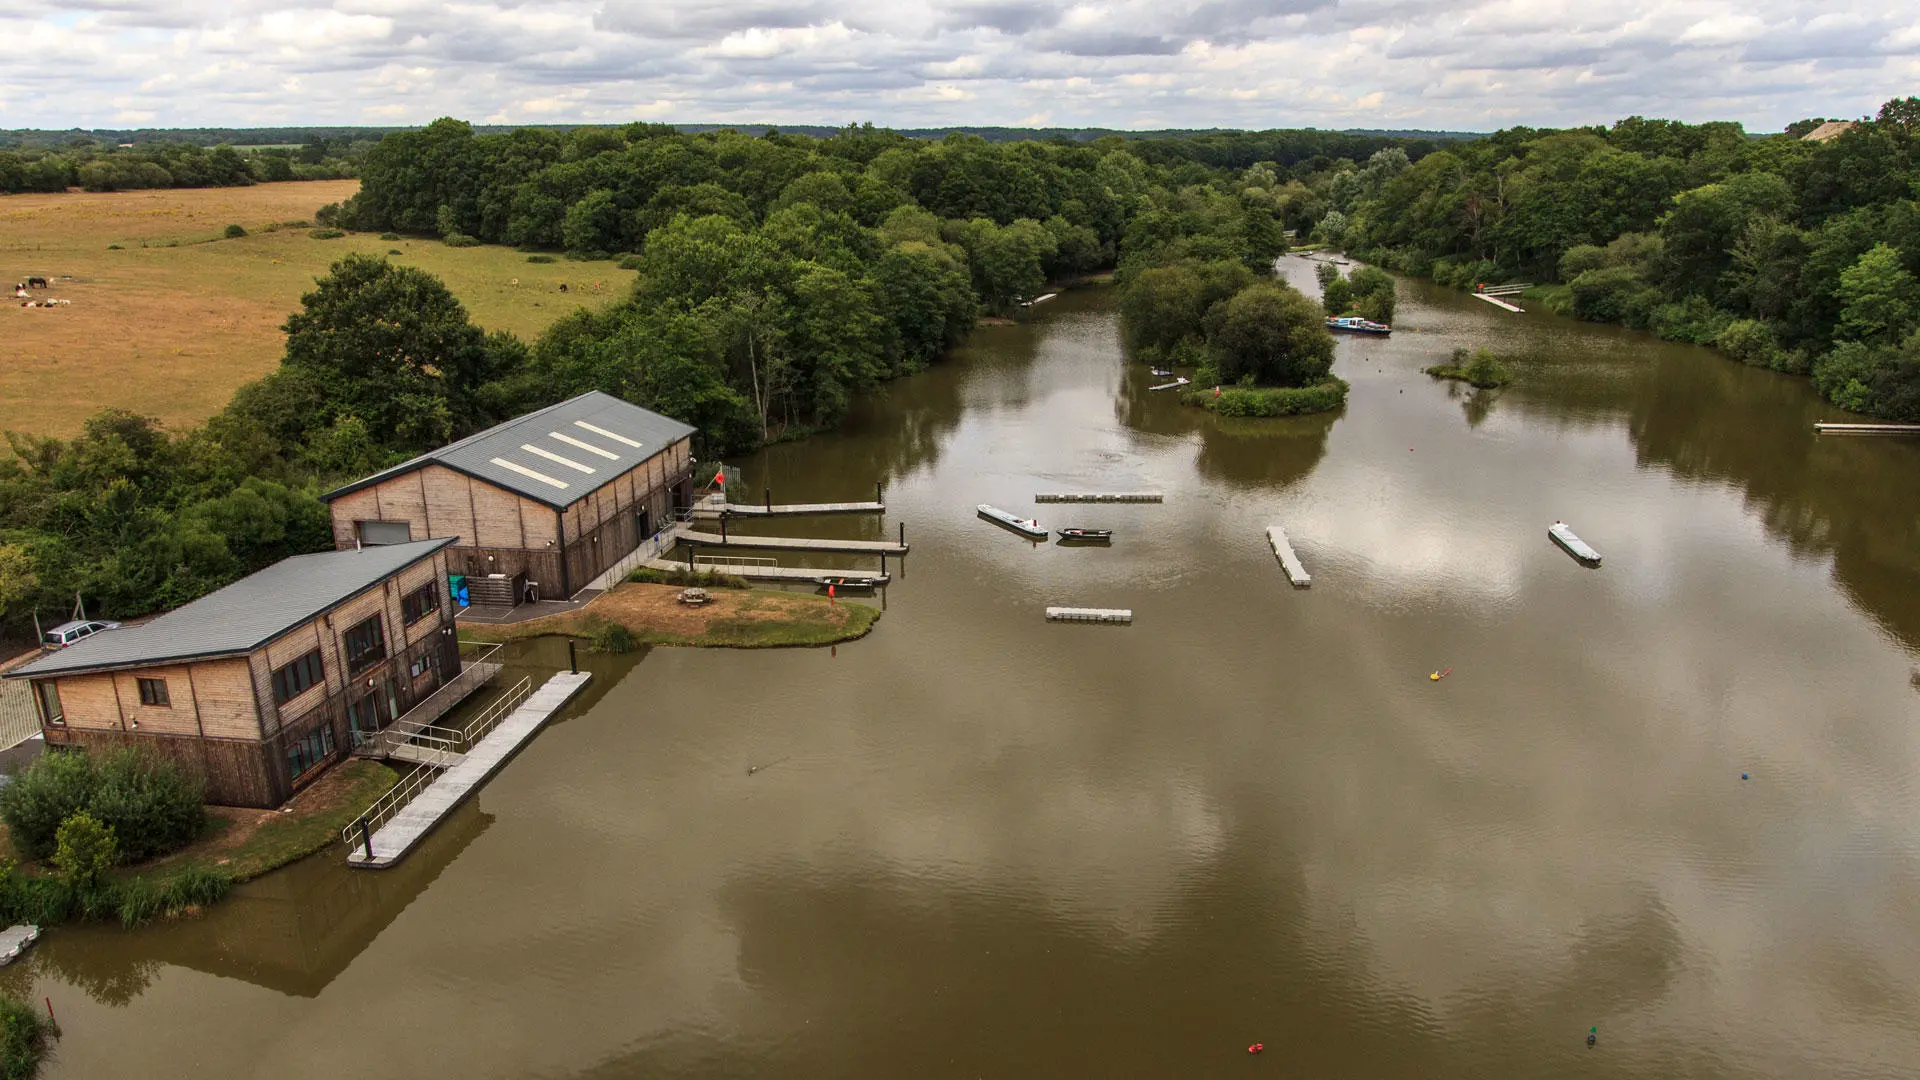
x,y
178,317
734,619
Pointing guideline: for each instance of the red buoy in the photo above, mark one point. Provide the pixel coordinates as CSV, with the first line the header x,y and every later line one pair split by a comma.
x,y
1256,1048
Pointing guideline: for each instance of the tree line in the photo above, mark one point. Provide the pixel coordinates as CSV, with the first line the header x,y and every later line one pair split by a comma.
x,y
95,167
780,279
1789,253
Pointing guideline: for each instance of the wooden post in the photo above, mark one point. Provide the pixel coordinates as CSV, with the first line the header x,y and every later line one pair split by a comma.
x,y
723,526
573,662
876,492
689,558
366,837
903,534
769,491
883,564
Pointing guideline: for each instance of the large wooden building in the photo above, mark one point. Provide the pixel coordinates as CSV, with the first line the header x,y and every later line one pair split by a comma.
x,y
548,500
260,685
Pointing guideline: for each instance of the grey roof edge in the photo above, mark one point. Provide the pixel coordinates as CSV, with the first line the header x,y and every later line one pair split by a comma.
x,y
438,544
438,456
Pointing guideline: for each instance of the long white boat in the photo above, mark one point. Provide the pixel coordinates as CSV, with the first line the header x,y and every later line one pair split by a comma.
x,y
1575,546
1024,526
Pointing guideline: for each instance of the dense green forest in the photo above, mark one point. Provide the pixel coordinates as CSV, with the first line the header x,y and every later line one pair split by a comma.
x,y
780,278
1793,254
85,162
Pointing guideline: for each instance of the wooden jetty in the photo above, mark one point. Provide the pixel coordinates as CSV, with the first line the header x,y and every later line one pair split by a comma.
x,y
1867,429
1090,614
1024,526
793,543
1575,546
770,572
800,509
1099,497
1296,572
1500,303
1181,381
409,821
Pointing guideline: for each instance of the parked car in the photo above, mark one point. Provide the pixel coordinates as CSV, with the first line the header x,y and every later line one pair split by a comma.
x,y
69,632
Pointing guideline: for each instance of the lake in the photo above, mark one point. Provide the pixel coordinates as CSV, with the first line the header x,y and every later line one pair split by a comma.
x,y
979,844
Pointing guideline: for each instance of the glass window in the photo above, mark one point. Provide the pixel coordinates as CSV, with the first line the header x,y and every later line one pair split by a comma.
x,y
420,603
421,665
154,692
309,750
50,702
365,645
290,681
376,533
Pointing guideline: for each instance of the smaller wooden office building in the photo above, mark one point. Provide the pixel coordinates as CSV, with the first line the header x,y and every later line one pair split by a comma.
x,y
263,684
551,499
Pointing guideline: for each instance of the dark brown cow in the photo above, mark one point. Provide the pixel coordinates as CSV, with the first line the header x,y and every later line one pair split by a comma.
x,y
36,283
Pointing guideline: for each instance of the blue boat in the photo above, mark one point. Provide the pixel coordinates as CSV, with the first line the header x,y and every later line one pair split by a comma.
x,y
1354,324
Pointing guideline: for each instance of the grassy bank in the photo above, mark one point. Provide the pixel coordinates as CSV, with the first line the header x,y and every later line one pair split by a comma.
x,y
239,844
23,1039
169,317
1270,400
1478,368
735,619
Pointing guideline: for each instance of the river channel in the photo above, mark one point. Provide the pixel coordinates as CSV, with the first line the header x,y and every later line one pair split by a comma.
x,y
983,845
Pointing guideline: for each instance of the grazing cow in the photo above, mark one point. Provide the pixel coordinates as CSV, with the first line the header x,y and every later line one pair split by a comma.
x,y
36,283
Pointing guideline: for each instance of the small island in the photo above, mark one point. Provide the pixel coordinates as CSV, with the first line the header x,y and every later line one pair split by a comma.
x,y
1479,368
1258,346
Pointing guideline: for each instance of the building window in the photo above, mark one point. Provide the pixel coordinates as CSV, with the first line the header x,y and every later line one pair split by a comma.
x,y
420,603
377,533
309,750
421,665
290,681
154,692
365,644
50,702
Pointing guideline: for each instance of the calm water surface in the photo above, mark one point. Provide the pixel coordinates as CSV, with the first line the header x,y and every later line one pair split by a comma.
x,y
990,846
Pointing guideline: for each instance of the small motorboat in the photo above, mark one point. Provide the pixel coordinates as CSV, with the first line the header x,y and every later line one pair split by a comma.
x,y
1086,534
1024,526
1162,372
1354,324
841,584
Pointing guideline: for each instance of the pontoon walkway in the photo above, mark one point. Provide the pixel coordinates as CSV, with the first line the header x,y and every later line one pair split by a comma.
x,y
1090,614
793,543
1099,497
1296,572
1867,429
769,572
401,833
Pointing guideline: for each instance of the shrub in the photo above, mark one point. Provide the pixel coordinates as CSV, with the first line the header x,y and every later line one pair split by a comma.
x,y
152,805
23,1037
712,579
613,637
460,240
393,251
539,258
113,247
629,262
235,232
389,236
84,851
1750,342
328,214
327,234
195,888
42,901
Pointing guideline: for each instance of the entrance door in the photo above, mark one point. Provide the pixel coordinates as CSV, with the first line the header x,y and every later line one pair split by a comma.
x,y
393,700
363,717
642,526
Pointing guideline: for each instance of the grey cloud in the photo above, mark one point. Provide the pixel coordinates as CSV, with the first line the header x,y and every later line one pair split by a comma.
x,y
701,21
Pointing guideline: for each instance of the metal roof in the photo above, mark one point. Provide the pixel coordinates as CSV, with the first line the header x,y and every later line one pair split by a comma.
x,y
557,455
241,617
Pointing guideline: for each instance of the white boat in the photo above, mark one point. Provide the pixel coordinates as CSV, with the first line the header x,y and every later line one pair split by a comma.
x,y
1575,546
1024,526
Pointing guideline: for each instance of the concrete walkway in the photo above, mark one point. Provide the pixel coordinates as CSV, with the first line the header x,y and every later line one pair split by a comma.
x,y
392,841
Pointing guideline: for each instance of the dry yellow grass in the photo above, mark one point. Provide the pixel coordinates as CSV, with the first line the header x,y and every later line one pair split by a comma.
x,y
171,331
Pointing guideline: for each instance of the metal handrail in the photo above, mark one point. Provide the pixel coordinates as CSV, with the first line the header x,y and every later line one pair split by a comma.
x,y
386,806
733,560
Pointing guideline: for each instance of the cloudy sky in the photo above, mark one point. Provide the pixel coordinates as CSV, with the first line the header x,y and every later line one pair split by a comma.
x,y
1457,64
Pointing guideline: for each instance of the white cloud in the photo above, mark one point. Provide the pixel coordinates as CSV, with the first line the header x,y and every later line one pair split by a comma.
x,y
1470,64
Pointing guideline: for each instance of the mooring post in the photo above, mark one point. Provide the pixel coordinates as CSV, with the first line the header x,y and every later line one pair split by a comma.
x,y
573,662
769,491
903,534
366,837
723,526
689,558
883,564
877,492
